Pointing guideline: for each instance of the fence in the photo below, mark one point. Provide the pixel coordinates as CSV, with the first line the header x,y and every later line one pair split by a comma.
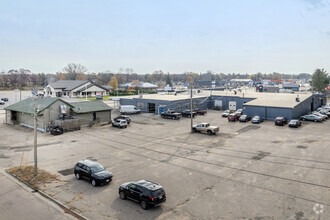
x,y
69,124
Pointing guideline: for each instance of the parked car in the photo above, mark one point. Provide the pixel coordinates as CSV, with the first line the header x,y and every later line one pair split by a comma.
x,y
5,99
205,128
233,116
325,112
239,111
257,119
200,112
93,172
281,121
56,130
124,117
294,123
2,102
187,113
325,107
120,123
170,114
244,118
129,109
145,192
226,113
320,115
311,118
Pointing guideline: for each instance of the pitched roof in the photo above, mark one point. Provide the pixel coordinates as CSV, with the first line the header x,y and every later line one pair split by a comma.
x,y
140,85
27,105
90,106
67,84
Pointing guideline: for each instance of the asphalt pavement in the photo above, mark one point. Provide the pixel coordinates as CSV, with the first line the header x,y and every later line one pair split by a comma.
x,y
20,202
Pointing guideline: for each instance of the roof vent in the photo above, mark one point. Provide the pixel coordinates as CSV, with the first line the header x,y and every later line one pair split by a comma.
x,y
297,99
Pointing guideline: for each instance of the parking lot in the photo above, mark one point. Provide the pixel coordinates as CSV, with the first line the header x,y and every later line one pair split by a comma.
x,y
246,171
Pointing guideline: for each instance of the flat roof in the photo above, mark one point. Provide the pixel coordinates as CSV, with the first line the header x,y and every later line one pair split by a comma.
x,y
281,100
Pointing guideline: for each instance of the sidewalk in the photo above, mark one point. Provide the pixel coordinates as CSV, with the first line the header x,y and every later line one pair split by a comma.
x,y
19,202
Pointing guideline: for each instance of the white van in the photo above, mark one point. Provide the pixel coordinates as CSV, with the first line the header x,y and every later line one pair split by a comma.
x,y
129,109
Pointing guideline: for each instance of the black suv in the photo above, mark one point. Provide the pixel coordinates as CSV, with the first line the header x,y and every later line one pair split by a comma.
x,y
147,193
124,117
280,121
92,171
187,113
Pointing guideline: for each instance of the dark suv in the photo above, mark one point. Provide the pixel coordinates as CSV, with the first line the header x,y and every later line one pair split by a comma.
x,y
280,121
234,116
145,192
92,171
187,113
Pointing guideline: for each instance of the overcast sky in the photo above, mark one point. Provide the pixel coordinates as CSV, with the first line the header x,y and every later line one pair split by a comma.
x,y
241,36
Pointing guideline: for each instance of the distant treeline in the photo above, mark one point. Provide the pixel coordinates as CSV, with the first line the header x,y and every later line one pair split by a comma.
x,y
21,78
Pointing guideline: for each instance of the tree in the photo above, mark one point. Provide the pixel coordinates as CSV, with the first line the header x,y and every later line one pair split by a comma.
x,y
113,82
168,80
320,80
81,76
73,69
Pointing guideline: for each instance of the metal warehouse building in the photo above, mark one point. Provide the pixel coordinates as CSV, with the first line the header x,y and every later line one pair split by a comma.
x,y
266,105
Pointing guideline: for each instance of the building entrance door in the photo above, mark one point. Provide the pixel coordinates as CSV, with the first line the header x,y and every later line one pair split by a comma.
x,y
152,107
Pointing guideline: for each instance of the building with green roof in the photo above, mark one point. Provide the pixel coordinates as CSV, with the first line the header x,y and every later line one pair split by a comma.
x,y
50,108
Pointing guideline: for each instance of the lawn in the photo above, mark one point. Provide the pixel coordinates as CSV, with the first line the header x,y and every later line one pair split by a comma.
x,y
105,98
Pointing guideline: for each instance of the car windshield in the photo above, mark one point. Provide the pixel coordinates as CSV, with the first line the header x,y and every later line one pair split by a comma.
x,y
293,121
207,125
97,168
256,117
157,192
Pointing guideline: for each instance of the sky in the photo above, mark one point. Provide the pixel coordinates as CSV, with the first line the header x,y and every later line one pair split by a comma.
x,y
241,36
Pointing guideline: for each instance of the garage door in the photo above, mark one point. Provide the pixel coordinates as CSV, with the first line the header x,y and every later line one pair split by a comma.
x,y
232,105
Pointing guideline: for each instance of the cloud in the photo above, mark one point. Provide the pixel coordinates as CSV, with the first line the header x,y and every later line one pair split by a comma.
x,y
316,4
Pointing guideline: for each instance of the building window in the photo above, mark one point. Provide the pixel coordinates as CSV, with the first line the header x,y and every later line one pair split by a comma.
x,y
140,105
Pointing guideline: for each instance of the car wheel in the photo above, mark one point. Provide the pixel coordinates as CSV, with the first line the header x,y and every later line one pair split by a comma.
x,y
173,118
315,120
93,182
122,195
125,126
303,119
194,130
209,132
162,116
144,205
77,176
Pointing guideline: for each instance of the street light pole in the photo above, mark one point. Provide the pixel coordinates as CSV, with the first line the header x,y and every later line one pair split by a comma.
x,y
191,107
35,172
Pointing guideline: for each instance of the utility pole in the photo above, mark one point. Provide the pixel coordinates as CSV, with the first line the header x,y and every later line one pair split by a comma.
x,y
191,106
35,173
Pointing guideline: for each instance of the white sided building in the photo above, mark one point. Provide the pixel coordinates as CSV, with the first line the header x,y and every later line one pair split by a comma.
x,y
73,88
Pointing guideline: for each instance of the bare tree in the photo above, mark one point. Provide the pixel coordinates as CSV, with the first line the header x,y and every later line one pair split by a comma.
x,y
73,70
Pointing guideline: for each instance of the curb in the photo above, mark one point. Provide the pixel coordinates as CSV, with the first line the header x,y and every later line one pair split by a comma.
x,y
61,205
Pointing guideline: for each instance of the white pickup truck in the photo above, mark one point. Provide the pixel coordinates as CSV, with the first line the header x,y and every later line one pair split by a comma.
x,y
205,128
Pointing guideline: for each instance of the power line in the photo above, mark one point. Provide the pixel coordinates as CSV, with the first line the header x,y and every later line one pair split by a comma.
x,y
210,174
215,164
